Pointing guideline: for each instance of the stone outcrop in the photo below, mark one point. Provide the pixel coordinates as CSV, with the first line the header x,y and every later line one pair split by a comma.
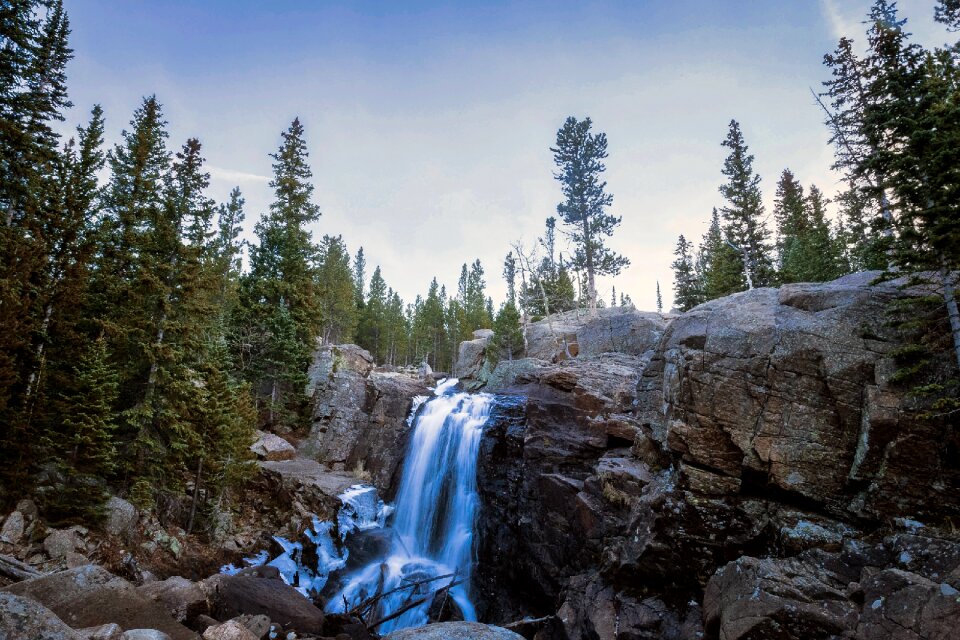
x,y
359,415
578,334
788,390
470,355
743,449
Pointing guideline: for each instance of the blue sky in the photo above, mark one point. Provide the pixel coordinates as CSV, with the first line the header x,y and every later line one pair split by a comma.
x,y
429,123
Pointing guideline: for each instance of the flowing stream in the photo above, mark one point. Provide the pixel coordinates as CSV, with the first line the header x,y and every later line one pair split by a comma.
x,y
435,510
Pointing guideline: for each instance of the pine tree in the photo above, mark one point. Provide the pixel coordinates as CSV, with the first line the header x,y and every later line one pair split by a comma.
x,y
744,226
280,290
579,155
372,330
686,289
719,267
659,299
507,342
85,442
359,278
792,228
510,277
336,291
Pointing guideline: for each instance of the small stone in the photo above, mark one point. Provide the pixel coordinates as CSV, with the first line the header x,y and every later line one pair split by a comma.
x,y
121,517
75,559
110,631
231,630
144,634
59,543
13,527
28,508
272,447
259,625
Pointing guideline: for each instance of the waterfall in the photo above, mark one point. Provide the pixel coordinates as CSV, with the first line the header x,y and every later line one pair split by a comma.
x,y
432,531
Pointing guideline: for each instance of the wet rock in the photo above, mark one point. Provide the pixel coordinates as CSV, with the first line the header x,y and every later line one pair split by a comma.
x,y
593,609
232,596
272,447
121,518
24,618
443,608
90,596
182,598
454,631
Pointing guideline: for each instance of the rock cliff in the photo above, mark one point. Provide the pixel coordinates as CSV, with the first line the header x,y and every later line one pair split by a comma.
x,y
748,466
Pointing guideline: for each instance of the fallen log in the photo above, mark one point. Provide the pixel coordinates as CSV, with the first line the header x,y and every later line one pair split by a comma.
x,y
12,568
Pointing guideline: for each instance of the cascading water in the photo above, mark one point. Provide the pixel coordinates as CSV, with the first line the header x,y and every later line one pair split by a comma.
x,y
432,533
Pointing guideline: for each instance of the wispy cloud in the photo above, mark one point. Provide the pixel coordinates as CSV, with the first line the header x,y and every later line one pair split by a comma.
x,y
843,18
238,177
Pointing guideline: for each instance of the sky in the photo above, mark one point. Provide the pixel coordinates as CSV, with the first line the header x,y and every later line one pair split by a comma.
x,y
429,124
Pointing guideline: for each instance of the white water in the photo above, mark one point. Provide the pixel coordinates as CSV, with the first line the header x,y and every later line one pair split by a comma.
x,y
435,512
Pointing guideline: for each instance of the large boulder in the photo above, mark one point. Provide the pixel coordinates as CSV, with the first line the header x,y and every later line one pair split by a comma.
x,y
121,518
471,353
90,596
789,390
272,447
359,422
454,631
578,333
182,598
27,619
232,596
758,426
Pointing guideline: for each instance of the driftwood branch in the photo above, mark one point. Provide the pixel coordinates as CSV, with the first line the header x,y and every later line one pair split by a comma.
x,y
369,602
416,603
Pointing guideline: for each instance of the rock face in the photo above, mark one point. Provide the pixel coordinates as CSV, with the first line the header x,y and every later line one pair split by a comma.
x,y
789,391
360,415
752,449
